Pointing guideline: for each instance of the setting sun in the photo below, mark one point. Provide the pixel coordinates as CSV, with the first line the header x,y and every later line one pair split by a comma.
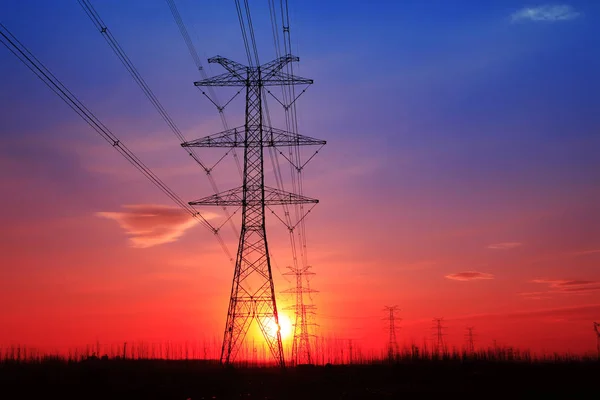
x,y
285,326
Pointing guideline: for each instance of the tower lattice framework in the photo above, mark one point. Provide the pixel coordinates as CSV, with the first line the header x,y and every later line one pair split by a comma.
x,y
252,291
301,346
439,343
392,346
470,340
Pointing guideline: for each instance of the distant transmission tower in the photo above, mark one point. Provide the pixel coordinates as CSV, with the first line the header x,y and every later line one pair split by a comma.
x,y
439,344
470,341
392,340
301,350
252,291
597,329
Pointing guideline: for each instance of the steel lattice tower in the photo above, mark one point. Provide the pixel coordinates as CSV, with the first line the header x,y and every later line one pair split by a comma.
x,y
392,342
440,345
301,350
470,340
252,291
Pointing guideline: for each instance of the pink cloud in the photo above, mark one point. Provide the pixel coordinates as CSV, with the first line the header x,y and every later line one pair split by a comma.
x,y
504,245
469,276
150,225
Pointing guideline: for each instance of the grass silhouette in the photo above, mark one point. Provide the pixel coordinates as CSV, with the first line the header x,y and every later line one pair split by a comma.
x,y
486,373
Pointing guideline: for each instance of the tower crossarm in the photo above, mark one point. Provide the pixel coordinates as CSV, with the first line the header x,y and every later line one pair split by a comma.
x,y
308,307
281,78
233,79
234,197
269,74
300,289
275,197
226,79
272,137
234,68
299,271
273,67
231,197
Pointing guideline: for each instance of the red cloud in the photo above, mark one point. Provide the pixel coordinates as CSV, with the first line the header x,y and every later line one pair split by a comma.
x,y
469,276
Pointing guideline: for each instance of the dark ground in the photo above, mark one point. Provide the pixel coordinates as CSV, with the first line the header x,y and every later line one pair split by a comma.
x,y
181,380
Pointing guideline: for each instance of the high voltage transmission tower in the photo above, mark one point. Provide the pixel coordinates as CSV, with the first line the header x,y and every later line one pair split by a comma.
x,y
439,343
392,340
252,292
470,340
301,349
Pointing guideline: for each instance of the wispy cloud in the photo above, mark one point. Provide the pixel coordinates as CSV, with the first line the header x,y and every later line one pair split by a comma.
x,y
584,312
535,295
561,12
559,283
585,252
149,225
469,276
581,289
568,286
504,245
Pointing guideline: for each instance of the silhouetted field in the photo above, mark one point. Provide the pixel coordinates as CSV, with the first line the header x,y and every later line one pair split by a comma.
x,y
470,376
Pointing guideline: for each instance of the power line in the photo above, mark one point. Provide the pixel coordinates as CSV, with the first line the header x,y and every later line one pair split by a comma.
x,y
251,28
130,67
185,34
289,105
250,46
293,157
244,33
46,76
273,155
212,95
